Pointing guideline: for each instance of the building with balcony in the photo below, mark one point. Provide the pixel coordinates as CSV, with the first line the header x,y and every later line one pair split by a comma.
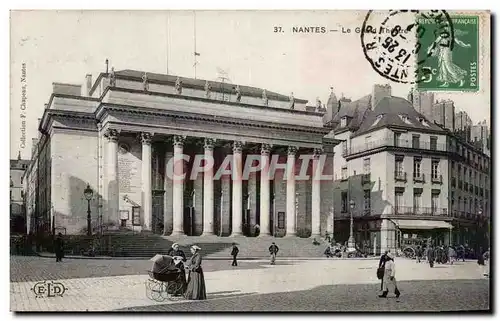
x,y
397,167
17,196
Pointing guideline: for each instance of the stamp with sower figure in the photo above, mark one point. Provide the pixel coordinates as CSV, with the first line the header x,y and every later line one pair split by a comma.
x,y
423,48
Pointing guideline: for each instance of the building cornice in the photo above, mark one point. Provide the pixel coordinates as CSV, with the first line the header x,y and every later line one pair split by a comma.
x,y
397,149
107,107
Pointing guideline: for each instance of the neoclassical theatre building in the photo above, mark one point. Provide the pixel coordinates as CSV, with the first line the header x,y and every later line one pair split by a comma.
x,y
119,133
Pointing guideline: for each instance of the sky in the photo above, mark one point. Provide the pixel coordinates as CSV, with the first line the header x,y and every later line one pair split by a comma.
x,y
64,46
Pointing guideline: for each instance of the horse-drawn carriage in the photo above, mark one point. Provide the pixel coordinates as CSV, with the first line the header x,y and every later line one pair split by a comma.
x,y
167,279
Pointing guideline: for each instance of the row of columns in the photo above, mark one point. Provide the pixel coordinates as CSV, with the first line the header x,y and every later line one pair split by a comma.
x,y
208,186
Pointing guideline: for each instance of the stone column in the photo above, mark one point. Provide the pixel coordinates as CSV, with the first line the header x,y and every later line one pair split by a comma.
x,y
265,202
167,196
112,176
147,196
316,194
291,228
208,190
178,187
237,189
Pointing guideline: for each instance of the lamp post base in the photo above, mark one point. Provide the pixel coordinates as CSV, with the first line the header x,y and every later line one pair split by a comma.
x,y
351,243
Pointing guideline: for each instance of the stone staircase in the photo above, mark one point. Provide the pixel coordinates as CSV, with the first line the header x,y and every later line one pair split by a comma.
x,y
147,245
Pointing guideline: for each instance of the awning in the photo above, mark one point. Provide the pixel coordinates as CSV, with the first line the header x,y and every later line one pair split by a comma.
x,y
421,224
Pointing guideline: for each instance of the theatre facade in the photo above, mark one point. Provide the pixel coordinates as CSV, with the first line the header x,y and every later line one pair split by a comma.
x,y
123,133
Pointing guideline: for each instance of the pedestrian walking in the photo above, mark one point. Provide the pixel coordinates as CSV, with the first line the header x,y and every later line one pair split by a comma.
x,y
327,237
452,255
480,261
234,254
430,255
418,253
273,251
390,276
59,247
196,281
381,269
486,257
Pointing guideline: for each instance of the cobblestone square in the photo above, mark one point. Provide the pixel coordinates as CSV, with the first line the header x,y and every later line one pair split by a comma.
x,y
315,285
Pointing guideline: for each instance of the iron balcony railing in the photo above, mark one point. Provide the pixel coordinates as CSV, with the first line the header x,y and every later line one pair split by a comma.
x,y
400,176
419,211
365,178
437,179
418,178
391,142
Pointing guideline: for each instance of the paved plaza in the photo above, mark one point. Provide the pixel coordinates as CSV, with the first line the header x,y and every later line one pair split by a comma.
x,y
316,285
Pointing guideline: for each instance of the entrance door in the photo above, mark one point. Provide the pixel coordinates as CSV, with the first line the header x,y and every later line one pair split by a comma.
x,y
157,215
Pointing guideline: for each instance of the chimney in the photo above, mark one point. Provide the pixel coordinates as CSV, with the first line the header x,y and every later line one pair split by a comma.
x,y
88,85
379,92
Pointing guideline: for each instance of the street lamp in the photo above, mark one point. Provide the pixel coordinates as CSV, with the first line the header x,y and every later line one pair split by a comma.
x,y
351,243
88,192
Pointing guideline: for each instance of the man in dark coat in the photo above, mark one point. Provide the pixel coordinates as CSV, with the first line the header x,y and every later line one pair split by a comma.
x,y
418,253
381,265
59,247
273,251
430,255
234,253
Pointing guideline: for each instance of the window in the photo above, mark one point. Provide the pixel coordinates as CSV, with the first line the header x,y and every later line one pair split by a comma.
x,y
367,202
22,194
366,166
22,179
397,139
465,204
459,203
470,205
343,122
452,200
399,167
459,171
434,202
11,195
343,173
415,141
435,169
417,200
452,165
417,164
398,201
379,117
368,142
344,147
433,145
344,202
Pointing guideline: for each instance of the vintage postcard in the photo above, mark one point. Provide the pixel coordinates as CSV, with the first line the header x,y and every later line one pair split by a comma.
x,y
250,160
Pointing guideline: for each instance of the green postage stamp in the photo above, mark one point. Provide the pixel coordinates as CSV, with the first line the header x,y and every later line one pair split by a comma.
x,y
450,59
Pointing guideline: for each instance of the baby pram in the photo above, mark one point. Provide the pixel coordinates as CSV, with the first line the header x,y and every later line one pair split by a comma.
x,y
166,279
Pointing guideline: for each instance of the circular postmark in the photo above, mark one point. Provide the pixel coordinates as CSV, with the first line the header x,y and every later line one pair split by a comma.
x,y
391,42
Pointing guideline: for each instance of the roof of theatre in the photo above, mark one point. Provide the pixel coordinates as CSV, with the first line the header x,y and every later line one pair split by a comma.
x,y
216,86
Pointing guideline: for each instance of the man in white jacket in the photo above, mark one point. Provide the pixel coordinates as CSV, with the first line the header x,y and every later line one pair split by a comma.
x,y
390,276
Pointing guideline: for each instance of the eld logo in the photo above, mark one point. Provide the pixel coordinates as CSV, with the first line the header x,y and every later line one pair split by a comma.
x,y
48,289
